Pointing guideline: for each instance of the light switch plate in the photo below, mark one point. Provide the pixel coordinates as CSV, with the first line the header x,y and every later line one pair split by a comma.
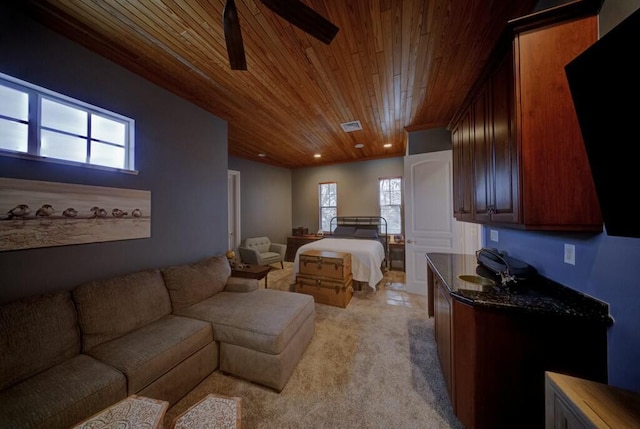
x,y
569,254
493,235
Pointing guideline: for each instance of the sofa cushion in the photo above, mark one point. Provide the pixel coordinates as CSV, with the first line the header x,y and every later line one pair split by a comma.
x,y
191,283
36,333
149,352
62,395
111,308
264,320
241,284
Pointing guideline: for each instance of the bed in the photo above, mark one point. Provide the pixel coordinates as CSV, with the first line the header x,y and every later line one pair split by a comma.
x,y
364,237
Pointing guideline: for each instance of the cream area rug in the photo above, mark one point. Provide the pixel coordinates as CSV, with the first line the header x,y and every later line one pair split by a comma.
x,y
370,365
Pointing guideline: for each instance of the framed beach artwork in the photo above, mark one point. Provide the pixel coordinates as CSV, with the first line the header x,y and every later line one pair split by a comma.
x,y
44,214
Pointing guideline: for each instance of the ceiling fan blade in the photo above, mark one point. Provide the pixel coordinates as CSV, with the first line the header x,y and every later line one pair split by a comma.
x,y
233,36
305,18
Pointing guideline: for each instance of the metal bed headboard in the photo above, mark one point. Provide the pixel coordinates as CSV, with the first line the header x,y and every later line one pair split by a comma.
x,y
368,222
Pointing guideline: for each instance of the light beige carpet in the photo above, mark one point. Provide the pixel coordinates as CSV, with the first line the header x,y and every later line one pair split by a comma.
x,y
371,365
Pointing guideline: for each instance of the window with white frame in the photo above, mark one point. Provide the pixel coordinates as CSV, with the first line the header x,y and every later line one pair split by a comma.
x,y
328,203
391,203
45,125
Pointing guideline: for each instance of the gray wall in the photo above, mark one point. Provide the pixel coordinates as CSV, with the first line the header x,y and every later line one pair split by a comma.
x,y
181,154
265,200
357,188
425,141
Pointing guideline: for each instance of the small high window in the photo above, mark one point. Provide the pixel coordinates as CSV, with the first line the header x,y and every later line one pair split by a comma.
x,y
391,203
38,123
328,203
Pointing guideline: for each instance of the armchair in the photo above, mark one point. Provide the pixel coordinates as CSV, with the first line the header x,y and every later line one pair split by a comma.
x,y
261,251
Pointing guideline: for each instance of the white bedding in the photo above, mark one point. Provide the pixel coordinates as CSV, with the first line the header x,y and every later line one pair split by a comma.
x,y
366,256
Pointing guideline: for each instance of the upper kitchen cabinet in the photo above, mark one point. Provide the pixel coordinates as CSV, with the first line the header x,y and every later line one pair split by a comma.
x,y
521,159
461,140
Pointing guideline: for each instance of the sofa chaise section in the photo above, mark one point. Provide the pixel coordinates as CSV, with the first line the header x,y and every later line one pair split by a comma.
x,y
45,382
262,332
126,322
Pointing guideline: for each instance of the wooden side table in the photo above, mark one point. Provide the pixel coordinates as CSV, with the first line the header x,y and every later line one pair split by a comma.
x,y
397,252
132,412
247,271
213,411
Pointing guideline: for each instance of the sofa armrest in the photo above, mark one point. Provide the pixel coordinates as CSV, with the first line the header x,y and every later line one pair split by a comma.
x,y
278,248
250,256
240,284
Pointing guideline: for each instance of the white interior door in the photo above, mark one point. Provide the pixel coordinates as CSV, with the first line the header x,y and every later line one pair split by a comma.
x,y
233,195
429,222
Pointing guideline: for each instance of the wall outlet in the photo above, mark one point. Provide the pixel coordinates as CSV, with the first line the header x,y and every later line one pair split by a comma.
x,y
569,254
493,235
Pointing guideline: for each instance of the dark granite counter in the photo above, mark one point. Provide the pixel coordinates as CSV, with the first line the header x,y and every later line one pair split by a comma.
x,y
537,295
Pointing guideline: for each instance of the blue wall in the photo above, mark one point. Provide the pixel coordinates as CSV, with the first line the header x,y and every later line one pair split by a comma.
x,y
181,155
607,268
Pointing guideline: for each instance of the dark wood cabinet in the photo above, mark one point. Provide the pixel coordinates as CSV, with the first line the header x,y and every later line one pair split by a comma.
x,y
493,360
462,169
294,243
503,151
482,156
442,332
517,141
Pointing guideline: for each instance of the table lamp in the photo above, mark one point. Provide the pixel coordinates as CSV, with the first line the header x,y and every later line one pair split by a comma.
x,y
231,255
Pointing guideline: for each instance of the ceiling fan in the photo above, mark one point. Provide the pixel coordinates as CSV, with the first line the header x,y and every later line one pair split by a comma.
x,y
294,11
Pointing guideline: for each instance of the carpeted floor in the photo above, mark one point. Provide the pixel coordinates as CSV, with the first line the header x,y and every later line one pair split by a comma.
x,y
371,365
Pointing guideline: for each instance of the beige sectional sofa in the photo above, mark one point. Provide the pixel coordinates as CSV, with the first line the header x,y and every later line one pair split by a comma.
x,y
157,333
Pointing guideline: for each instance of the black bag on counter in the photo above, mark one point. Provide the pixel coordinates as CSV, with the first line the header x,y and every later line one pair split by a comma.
x,y
507,267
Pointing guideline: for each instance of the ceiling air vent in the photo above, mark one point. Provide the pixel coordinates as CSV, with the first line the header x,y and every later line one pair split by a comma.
x,y
351,126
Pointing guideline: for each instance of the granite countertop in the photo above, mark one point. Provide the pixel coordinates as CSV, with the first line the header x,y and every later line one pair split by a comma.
x,y
537,295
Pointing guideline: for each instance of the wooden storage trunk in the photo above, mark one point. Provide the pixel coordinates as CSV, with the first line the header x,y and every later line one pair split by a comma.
x,y
325,290
323,263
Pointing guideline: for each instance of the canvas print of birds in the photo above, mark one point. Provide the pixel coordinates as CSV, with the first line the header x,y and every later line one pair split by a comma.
x,y
42,214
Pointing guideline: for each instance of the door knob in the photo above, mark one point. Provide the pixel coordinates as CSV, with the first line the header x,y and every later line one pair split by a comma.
x,y
409,241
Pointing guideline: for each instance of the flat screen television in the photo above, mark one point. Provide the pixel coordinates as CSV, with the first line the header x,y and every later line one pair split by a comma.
x,y
604,82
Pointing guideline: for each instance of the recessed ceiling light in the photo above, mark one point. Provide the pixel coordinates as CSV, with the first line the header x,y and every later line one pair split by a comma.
x,y
262,155
359,146
317,155
388,145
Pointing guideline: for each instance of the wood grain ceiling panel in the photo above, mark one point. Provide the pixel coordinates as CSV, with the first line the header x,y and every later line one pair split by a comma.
x,y
395,65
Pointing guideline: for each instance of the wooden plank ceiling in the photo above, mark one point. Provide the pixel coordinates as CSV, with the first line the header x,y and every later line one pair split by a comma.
x,y
395,66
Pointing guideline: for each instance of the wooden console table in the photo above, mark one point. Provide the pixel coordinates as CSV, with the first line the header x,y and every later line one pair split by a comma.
x,y
294,243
